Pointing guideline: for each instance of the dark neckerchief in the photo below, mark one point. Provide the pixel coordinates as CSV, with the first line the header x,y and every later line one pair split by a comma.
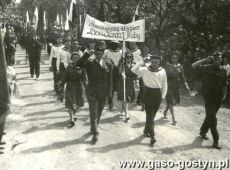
x,y
73,66
66,49
150,69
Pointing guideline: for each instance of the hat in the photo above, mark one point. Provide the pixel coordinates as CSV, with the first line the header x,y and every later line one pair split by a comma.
x,y
75,53
216,54
58,36
66,39
156,56
74,39
99,43
99,49
116,42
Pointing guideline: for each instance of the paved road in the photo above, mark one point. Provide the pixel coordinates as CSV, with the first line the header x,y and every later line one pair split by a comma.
x,y
38,138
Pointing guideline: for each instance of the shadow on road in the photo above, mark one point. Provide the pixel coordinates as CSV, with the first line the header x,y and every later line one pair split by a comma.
x,y
27,72
42,113
59,145
44,118
58,125
110,120
48,93
197,143
116,146
24,84
39,103
157,122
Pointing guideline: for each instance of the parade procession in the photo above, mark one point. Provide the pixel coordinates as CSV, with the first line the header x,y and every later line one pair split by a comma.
x,y
114,84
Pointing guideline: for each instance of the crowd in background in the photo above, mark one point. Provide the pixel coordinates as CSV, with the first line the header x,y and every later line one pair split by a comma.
x,y
69,54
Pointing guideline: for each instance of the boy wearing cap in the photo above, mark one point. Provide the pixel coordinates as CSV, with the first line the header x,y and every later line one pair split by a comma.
x,y
155,82
98,87
63,60
55,50
214,81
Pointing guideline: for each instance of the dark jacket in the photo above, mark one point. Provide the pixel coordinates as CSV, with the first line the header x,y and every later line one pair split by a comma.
x,y
33,46
214,79
99,77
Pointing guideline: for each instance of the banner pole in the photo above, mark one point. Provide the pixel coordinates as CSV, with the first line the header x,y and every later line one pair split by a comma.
x,y
124,99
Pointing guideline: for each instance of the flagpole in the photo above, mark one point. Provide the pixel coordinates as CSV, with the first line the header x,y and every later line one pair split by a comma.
x,y
124,84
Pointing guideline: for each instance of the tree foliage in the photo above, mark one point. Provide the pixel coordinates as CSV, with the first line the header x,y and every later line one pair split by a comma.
x,y
5,3
162,17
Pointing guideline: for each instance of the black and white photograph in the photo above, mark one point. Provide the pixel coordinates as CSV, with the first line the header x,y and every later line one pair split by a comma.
x,y
114,84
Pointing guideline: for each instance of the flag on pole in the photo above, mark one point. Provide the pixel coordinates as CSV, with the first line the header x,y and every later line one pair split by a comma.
x,y
58,19
72,12
35,18
101,13
40,26
80,23
44,18
61,21
136,14
67,21
27,17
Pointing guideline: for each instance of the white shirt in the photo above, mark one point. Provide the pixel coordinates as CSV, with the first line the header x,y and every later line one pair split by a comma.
x,y
115,56
63,57
54,53
227,68
152,79
137,56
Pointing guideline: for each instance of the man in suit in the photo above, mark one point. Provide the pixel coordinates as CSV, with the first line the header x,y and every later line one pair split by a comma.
x,y
34,47
98,87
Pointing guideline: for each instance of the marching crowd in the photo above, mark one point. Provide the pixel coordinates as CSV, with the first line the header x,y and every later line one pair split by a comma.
x,y
105,68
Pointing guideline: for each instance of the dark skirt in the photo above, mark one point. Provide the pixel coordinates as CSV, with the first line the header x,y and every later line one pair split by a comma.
x,y
173,93
74,95
129,90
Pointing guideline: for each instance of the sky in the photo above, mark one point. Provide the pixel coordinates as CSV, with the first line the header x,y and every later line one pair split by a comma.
x,y
18,1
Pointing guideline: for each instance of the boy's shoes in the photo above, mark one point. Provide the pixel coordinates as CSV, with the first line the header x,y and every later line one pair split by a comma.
x,y
203,136
216,145
95,138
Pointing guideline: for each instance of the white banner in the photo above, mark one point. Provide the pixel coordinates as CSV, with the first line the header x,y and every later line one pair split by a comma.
x,y
96,29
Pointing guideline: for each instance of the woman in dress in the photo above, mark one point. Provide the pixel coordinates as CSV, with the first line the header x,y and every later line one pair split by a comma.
x,y
74,79
175,75
126,73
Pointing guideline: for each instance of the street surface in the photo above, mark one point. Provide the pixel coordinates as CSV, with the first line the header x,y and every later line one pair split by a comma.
x,y
37,137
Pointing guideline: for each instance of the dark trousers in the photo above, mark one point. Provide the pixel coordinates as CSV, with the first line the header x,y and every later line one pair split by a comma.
x,y
3,112
10,59
55,76
2,125
61,81
34,65
96,106
152,100
213,102
141,92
